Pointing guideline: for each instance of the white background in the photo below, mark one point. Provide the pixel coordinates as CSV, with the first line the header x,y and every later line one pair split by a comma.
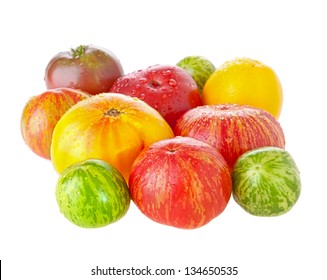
x,y
37,242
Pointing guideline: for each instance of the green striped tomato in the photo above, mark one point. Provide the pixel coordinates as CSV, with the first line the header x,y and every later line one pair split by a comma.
x,y
266,181
199,67
92,193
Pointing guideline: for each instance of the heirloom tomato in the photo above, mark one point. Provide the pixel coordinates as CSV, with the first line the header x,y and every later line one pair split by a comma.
x,y
181,182
245,81
42,112
231,128
89,68
266,181
112,127
167,88
92,194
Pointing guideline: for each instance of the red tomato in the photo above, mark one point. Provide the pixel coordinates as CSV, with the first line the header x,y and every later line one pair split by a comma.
x,y
180,182
89,68
231,128
167,88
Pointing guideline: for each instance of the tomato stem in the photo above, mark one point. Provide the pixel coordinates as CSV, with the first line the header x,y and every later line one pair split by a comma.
x,y
154,84
79,51
112,112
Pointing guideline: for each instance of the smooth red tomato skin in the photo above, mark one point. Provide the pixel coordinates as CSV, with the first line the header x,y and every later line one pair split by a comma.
x,y
180,182
93,71
41,114
167,88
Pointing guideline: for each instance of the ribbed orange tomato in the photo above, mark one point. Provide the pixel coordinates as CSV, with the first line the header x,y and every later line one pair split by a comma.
x,y
110,126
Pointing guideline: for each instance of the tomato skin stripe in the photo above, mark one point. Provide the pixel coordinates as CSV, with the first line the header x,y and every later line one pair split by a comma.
x,y
92,194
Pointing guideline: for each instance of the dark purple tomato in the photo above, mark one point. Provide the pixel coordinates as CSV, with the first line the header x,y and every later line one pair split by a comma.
x,y
89,68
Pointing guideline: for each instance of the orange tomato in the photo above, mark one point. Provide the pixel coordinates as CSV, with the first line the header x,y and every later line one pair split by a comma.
x,y
109,126
245,81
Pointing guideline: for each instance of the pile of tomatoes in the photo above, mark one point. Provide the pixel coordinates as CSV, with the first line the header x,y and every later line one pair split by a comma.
x,y
111,146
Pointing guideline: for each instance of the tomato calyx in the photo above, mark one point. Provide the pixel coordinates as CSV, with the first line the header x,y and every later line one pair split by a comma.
x,y
154,84
79,51
112,112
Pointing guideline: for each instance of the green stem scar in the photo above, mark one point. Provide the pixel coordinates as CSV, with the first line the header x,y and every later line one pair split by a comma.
x,y
79,51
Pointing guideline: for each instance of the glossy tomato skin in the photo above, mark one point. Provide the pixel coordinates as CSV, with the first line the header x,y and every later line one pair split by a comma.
x,y
109,126
180,182
266,182
41,114
92,194
89,68
167,88
231,128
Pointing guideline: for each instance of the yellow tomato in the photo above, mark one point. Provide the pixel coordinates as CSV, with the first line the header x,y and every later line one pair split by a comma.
x,y
111,127
245,81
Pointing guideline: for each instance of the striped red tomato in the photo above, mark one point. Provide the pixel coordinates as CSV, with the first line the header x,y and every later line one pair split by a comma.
x,y
42,112
232,129
180,182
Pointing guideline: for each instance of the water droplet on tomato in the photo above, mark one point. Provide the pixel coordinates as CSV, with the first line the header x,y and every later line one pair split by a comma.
x,y
172,82
164,96
143,80
167,72
142,96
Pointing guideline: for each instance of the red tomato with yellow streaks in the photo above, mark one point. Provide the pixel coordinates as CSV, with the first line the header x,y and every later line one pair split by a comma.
x,y
112,127
231,128
181,182
42,112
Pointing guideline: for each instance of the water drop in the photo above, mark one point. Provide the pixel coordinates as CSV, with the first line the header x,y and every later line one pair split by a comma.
x,y
143,80
164,96
142,96
167,72
172,82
